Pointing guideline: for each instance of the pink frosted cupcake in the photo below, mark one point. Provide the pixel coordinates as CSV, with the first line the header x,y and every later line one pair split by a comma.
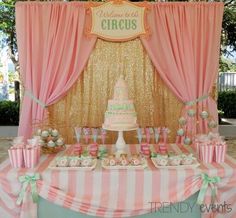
x,y
77,149
163,149
145,149
93,150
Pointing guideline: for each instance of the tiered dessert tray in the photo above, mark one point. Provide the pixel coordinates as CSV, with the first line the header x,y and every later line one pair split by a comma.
x,y
120,143
142,166
195,164
54,166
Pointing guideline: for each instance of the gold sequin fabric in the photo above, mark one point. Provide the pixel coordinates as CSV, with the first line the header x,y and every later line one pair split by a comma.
x,y
86,102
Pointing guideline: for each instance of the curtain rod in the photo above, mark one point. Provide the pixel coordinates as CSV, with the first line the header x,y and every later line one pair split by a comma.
x,y
12,6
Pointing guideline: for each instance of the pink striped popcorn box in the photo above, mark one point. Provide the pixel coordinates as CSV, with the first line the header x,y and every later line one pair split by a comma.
x,y
197,149
31,156
16,157
220,151
206,152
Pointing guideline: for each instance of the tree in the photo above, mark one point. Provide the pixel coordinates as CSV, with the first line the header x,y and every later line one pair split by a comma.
x,y
7,28
228,38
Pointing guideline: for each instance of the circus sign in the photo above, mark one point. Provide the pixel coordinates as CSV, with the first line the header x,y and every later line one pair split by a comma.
x,y
118,20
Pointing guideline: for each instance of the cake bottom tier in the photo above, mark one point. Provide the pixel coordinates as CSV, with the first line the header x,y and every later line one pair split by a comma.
x,y
124,120
120,127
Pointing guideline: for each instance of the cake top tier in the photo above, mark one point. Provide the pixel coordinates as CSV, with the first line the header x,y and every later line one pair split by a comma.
x,y
121,89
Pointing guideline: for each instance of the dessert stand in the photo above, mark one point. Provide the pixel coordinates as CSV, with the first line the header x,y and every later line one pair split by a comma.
x,y
120,143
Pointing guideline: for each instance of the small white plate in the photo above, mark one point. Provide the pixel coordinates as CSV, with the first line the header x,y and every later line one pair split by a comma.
x,y
53,166
128,167
195,164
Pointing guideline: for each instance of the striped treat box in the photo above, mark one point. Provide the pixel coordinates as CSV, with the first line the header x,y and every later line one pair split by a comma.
x,y
31,156
206,152
220,151
16,157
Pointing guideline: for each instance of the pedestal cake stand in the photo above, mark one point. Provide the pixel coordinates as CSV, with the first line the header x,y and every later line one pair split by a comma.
x,y
120,143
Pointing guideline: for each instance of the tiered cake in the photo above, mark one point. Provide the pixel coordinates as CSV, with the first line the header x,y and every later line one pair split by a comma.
x,y
120,114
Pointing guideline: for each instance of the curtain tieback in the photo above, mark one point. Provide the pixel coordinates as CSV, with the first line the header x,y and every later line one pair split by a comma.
x,y
25,181
206,181
32,96
190,103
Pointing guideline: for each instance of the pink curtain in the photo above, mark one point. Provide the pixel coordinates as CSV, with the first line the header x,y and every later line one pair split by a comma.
x,y
184,47
53,51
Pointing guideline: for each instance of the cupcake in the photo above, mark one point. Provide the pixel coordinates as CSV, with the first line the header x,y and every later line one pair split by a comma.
x,y
135,160
163,149
51,144
145,149
39,132
74,161
60,142
62,161
45,134
124,160
77,149
93,150
175,160
54,132
112,160
162,160
86,161
187,159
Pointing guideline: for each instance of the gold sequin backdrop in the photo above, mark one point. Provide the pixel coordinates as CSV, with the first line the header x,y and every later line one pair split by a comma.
x,y
86,102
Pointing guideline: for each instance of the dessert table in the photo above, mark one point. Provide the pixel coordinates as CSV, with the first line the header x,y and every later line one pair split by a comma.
x,y
115,193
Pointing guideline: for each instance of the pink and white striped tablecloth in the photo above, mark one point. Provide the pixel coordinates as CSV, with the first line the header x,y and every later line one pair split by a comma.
x,y
115,193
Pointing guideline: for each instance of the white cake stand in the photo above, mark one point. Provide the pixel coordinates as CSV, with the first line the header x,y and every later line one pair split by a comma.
x,y
120,143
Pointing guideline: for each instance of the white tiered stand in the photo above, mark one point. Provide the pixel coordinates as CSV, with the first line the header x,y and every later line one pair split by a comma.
x,y
120,143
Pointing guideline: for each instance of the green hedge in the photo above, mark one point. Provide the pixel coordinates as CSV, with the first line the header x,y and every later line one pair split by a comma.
x,y
227,103
9,113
